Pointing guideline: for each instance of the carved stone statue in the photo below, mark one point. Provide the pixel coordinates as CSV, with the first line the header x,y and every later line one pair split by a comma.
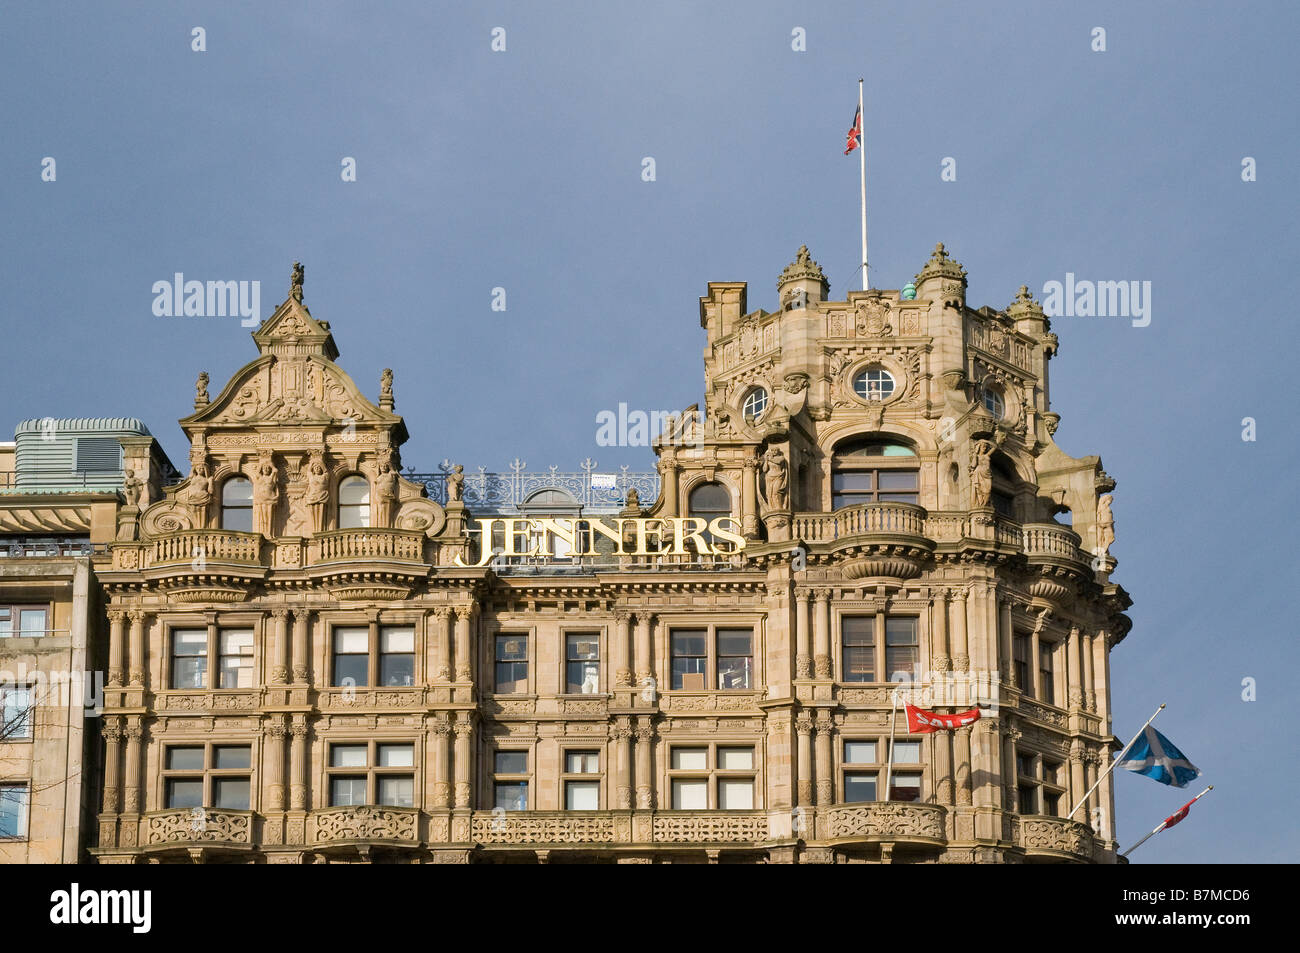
x,y
318,493
386,388
197,494
201,389
266,493
456,484
776,479
131,488
1105,524
295,281
981,473
385,495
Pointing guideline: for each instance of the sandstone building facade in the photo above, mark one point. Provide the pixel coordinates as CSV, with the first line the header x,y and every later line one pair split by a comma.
x,y
306,662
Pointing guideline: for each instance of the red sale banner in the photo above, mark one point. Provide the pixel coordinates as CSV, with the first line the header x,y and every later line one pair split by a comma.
x,y
920,721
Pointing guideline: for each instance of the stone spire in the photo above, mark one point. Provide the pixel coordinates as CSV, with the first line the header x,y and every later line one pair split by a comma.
x,y
802,281
941,266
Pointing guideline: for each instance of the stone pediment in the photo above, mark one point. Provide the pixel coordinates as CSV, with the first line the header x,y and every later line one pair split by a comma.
x,y
292,331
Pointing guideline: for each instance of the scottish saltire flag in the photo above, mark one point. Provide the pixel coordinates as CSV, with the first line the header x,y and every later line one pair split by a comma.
x,y
1159,759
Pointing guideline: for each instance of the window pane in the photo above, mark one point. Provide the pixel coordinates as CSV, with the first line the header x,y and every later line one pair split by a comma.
x,y
735,759
858,629
851,480
184,792
397,640
900,631
582,678
1051,804
397,792
354,516
897,479
582,795
231,793
351,640
511,795
236,669
512,648
511,677
690,759
907,752
582,762
735,673
236,641
583,646
688,674
690,642
735,641
184,759
859,752
735,794
396,756
1028,799
15,713
354,490
232,756
31,622
859,664
511,762
348,756
905,787
859,787
346,792
690,795
350,670
13,810
397,669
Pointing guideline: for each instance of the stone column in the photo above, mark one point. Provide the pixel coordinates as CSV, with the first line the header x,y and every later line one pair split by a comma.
x,y
804,726
749,499
825,772
960,646
620,648
668,478
1077,786
301,655
441,730
1074,687
989,742
275,732
803,664
137,659
645,734
962,744
116,643
464,758
822,630
644,667
1005,660
622,734
463,671
943,766
112,763
939,658
280,667
133,733
1089,687
1010,735
298,764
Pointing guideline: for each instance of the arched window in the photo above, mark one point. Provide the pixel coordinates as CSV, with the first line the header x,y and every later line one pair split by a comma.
x,y
237,504
874,383
354,502
871,470
1005,481
708,501
755,405
993,403
550,504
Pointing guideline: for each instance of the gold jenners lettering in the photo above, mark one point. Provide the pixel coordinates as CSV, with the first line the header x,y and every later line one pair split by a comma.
x,y
676,536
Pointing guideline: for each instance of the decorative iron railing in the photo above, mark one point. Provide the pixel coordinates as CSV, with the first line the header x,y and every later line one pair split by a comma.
x,y
503,492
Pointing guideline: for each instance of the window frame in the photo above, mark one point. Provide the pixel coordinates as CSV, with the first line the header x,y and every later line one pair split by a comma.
x,y
596,635
374,655
225,507
500,778
877,770
15,611
880,654
847,461
19,727
862,374
24,827
366,507
372,771
712,655
1037,782
215,626
568,776
209,773
712,774
502,635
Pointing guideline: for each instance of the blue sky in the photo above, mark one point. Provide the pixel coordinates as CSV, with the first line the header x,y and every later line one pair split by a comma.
x,y
522,169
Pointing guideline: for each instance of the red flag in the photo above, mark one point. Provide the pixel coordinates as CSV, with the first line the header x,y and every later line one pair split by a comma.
x,y
1179,814
855,134
920,721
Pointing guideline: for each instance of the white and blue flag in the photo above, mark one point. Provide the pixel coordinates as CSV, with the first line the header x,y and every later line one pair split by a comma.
x,y
1158,758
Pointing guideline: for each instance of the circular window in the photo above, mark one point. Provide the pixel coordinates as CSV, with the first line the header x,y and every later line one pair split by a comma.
x,y
993,403
874,383
755,404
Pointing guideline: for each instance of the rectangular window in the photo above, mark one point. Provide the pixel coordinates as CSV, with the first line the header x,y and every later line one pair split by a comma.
x,y
397,655
236,658
1028,799
690,794
372,773
582,663
1051,803
905,787
351,656
690,659
859,787
731,780
32,623
907,752
511,664
1046,682
15,712
189,658
735,658
217,776
1020,650
1025,766
581,791
859,636
510,780
902,649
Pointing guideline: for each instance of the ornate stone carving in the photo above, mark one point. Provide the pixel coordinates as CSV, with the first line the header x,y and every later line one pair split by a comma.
x,y
776,479
366,823
210,824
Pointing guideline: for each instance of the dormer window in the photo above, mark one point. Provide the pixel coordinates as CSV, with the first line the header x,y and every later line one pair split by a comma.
x,y
237,505
755,405
874,383
354,502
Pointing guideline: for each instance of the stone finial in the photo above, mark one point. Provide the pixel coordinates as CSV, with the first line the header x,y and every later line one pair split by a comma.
x,y
201,391
803,267
941,265
386,389
295,282
1023,307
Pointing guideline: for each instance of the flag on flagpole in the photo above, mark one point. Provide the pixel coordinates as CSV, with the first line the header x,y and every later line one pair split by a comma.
x,y
920,721
855,133
1179,814
1159,759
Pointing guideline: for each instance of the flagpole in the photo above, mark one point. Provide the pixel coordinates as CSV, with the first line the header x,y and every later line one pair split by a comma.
x,y
889,766
1165,822
1117,759
862,167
